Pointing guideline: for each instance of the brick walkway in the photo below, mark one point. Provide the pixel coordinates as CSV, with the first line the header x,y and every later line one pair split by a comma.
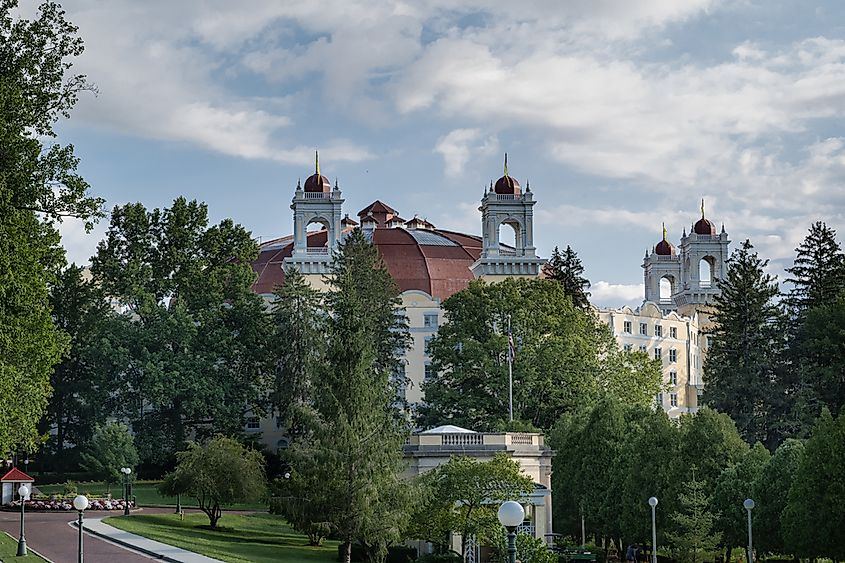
x,y
48,533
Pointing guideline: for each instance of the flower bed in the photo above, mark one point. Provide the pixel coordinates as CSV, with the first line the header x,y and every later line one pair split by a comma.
x,y
67,504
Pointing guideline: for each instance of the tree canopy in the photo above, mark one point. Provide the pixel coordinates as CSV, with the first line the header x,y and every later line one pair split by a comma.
x,y
566,269
564,358
39,185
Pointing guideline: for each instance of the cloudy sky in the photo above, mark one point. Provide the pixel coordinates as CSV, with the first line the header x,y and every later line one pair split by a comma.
x,y
621,114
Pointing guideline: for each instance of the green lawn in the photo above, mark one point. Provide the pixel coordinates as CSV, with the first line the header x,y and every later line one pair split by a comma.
x,y
256,537
144,491
9,550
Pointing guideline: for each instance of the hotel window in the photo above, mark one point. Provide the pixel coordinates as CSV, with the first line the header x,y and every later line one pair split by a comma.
x,y
673,399
429,372
642,348
673,378
427,344
673,355
657,353
430,320
644,329
658,330
660,399
628,347
626,327
253,423
673,332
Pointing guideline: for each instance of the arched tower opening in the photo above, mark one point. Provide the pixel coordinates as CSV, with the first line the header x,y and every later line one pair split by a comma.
x,y
667,287
706,268
510,236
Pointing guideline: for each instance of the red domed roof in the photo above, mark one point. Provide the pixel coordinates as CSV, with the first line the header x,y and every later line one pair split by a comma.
x,y
507,185
704,227
435,261
664,248
317,183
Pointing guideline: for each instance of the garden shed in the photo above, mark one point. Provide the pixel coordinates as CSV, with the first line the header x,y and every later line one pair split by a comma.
x,y
11,481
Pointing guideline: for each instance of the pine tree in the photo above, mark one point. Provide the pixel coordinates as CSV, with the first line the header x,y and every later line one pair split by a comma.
x,y
818,274
567,269
299,347
746,342
693,535
351,461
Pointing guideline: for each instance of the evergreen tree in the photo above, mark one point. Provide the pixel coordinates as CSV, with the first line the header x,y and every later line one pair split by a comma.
x,y
567,269
746,343
693,533
771,495
39,185
818,274
351,461
298,345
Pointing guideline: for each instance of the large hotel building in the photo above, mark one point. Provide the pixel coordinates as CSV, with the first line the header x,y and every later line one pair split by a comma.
x,y
429,264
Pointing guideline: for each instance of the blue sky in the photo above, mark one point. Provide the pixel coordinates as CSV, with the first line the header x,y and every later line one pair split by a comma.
x,y
622,115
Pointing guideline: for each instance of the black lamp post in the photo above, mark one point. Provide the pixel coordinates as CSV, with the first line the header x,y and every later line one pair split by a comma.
x,y
511,515
126,471
23,493
80,503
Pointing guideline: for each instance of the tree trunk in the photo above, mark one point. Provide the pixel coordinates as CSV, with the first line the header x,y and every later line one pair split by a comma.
x,y
347,552
728,554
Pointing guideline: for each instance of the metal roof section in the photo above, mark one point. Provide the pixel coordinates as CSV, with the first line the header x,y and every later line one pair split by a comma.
x,y
430,238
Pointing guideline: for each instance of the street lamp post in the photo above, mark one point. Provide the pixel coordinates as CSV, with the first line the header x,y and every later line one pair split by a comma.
x,y
23,493
511,515
749,504
126,471
652,502
80,503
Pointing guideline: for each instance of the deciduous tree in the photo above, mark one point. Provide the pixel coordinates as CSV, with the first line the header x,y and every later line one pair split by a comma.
x,y
771,490
111,448
39,186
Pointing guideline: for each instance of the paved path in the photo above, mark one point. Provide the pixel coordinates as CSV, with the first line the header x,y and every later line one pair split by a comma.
x,y
162,550
49,534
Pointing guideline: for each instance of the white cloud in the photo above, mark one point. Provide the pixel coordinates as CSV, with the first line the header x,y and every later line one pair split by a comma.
x,y
459,145
604,294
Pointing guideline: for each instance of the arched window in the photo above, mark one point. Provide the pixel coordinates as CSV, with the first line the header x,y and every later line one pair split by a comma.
x,y
705,271
666,288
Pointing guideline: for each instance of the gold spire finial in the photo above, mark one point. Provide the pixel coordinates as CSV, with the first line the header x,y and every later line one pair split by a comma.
x,y
317,161
664,231
702,208
506,165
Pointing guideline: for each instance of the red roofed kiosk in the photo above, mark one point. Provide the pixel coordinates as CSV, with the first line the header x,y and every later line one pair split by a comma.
x,y
11,481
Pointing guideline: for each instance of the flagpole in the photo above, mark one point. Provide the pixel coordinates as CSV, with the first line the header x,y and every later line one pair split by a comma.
x,y
510,372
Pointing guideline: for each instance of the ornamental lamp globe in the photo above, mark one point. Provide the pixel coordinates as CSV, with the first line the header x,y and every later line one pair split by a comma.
x,y
23,492
652,502
511,514
80,503
748,504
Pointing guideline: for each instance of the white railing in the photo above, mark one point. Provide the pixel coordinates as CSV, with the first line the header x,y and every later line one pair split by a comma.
x,y
506,252
664,257
527,528
463,439
522,439
317,250
506,197
317,195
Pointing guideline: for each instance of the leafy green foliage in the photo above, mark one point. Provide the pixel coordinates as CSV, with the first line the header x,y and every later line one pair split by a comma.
x,y
565,358
566,269
771,488
111,448
219,473
463,496
813,519
694,536
746,343
195,335
528,549
38,186
83,386
734,485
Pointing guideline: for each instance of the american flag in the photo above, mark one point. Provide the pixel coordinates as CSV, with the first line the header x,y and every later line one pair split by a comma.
x,y
511,348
